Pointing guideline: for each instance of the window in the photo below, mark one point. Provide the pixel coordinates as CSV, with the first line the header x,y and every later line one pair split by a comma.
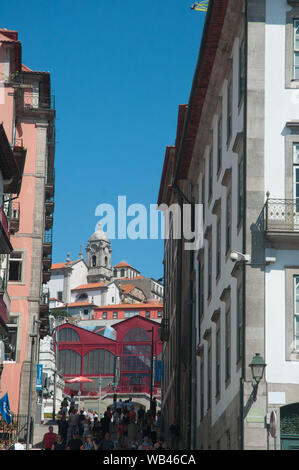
x,y
98,361
296,50
296,312
85,311
106,261
122,273
83,296
241,70
115,315
94,261
239,322
159,314
228,221
10,346
115,272
227,344
68,335
137,334
219,144
240,190
201,293
202,389
59,295
15,266
147,314
229,111
69,362
218,254
210,175
203,190
209,377
210,269
104,315
218,361
296,175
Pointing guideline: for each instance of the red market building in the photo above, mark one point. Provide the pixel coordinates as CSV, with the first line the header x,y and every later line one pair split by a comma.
x,y
124,363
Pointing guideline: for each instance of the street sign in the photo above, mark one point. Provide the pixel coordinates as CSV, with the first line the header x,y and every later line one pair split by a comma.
x,y
39,376
273,424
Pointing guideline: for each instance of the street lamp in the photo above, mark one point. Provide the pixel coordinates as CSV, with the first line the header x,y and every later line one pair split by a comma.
x,y
257,367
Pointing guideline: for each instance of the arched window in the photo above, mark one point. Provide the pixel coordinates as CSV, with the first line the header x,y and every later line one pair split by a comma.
x,y
94,261
68,335
136,334
69,362
82,296
98,361
122,273
106,261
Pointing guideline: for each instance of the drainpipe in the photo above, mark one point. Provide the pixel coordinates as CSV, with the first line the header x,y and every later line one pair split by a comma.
x,y
244,229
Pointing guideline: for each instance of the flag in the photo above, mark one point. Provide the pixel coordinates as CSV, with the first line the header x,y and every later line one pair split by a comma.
x,y
5,409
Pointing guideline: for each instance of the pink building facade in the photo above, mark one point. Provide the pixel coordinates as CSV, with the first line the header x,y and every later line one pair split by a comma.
x,y
28,115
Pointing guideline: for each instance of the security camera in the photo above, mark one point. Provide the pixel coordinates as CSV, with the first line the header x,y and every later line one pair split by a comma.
x,y
234,256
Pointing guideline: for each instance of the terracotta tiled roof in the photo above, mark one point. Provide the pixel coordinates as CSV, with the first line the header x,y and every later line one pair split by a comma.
x,y
61,265
80,304
25,68
8,35
90,286
130,278
124,264
126,288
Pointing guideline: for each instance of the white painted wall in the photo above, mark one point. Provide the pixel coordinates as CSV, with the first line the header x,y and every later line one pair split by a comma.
x,y
281,106
79,275
55,284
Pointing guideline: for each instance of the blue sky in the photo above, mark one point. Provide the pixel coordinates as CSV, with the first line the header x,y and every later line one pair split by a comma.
x,y
119,70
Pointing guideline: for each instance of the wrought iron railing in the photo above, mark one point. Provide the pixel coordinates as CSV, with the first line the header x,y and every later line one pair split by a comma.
x,y
48,236
282,215
4,221
10,433
3,279
44,296
164,329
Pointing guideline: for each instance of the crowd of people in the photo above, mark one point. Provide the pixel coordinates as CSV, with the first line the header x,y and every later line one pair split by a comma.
x,y
121,427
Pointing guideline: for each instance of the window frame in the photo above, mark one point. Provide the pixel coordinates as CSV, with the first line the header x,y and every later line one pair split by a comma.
x,y
295,50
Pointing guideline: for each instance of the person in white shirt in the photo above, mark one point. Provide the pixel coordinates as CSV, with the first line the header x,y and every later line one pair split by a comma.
x,y
19,445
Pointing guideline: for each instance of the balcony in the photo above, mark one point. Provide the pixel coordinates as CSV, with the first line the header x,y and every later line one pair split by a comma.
x,y
47,242
50,185
44,304
12,210
48,222
5,245
47,262
49,205
46,276
281,221
31,100
164,329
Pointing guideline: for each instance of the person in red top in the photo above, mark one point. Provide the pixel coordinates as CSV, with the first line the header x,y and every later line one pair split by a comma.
x,y
49,439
